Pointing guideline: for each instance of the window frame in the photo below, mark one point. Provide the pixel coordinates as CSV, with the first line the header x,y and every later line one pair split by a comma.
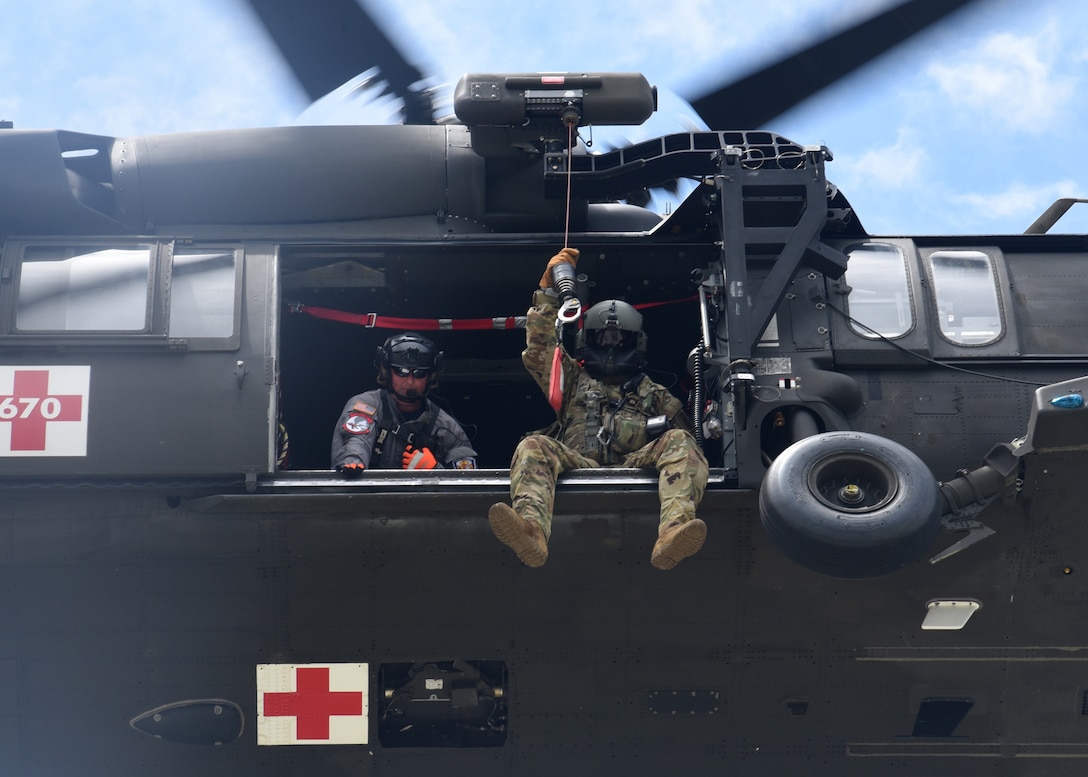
x,y
907,286
66,253
159,297
207,343
995,284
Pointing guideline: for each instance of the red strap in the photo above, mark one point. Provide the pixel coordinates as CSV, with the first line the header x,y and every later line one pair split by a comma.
x,y
644,305
374,321
555,382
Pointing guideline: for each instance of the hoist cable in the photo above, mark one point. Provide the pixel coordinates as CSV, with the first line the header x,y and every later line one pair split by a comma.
x,y
570,143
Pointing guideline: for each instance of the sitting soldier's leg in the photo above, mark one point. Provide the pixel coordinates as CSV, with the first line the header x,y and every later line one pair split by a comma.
x,y
527,526
682,475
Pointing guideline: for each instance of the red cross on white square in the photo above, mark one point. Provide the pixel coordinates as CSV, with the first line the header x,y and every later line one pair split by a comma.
x,y
43,410
312,704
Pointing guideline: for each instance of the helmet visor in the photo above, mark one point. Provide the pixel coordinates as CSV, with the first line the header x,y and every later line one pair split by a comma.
x,y
410,372
611,337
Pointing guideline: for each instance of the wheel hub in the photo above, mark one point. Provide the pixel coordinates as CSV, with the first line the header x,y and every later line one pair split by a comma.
x,y
852,482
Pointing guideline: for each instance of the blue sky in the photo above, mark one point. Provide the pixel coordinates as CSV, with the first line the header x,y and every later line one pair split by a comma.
x,y
975,128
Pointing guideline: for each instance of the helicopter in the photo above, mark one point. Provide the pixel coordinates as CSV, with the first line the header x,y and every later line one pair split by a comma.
x,y
894,425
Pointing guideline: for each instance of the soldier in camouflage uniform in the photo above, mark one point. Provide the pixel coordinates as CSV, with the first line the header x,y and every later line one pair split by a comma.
x,y
603,401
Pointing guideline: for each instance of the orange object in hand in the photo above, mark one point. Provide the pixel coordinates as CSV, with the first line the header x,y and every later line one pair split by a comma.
x,y
418,458
566,256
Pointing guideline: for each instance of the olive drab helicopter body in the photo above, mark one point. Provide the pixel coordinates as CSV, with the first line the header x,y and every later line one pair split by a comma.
x,y
895,430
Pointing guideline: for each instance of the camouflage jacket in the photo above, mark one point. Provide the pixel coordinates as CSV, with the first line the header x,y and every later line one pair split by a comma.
x,y
604,421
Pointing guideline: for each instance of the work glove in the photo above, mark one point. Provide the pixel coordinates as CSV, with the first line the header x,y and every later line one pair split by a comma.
x,y
351,469
566,256
419,458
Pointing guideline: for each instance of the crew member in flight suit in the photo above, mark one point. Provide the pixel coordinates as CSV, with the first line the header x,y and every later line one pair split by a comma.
x,y
603,414
396,426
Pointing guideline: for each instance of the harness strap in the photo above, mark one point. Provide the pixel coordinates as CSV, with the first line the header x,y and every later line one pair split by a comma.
x,y
593,419
421,438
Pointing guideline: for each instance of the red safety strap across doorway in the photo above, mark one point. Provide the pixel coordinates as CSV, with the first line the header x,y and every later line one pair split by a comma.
x,y
376,321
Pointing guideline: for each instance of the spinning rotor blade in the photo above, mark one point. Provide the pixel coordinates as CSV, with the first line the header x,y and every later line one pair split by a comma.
x,y
328,43
759,97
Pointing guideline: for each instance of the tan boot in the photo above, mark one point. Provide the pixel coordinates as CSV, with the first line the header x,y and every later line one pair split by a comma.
x,y
522,536
676,541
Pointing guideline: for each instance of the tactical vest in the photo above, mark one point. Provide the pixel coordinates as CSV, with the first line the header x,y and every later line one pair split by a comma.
x,y
393,438
605,421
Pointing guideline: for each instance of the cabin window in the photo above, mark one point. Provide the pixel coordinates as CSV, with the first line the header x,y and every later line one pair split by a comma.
x,y
202,293
965,291
880,302
69,289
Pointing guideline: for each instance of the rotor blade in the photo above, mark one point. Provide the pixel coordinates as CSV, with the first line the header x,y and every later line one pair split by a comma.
x,y
328,43
759,97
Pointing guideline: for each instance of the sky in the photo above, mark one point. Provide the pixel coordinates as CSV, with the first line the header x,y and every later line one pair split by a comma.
x,y
973,128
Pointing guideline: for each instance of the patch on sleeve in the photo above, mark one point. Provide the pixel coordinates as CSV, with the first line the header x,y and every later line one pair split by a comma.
x,y
358,423
365,409
465,464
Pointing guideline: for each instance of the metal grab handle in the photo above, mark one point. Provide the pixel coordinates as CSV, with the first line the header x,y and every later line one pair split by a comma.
x,y
570,311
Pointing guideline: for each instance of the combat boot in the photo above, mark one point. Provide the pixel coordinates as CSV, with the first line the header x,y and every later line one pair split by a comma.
x,y
676,541
524,537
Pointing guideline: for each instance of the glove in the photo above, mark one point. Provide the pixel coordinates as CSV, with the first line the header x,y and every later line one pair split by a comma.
x,y
566,256
352,469
418,458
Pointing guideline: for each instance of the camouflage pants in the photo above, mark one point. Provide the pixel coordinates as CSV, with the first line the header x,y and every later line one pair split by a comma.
x,y
538,461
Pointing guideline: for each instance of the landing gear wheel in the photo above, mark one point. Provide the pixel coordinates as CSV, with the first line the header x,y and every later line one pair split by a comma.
x,y
850,504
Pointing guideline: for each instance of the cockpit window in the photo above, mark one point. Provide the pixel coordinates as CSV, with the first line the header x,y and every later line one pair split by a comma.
x,y
880,302
84,289
202,291
965,289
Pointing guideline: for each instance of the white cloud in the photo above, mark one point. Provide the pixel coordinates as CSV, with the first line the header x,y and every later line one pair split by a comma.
x,y
896,166
1010,79
1019,200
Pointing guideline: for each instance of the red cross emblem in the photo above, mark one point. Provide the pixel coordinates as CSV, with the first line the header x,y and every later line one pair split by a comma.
x,y
325,704
34,398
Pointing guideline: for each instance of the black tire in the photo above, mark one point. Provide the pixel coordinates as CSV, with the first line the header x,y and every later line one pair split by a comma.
x,y
850,504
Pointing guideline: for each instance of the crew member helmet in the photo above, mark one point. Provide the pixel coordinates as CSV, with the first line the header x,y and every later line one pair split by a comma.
x,y
611,342
408,353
